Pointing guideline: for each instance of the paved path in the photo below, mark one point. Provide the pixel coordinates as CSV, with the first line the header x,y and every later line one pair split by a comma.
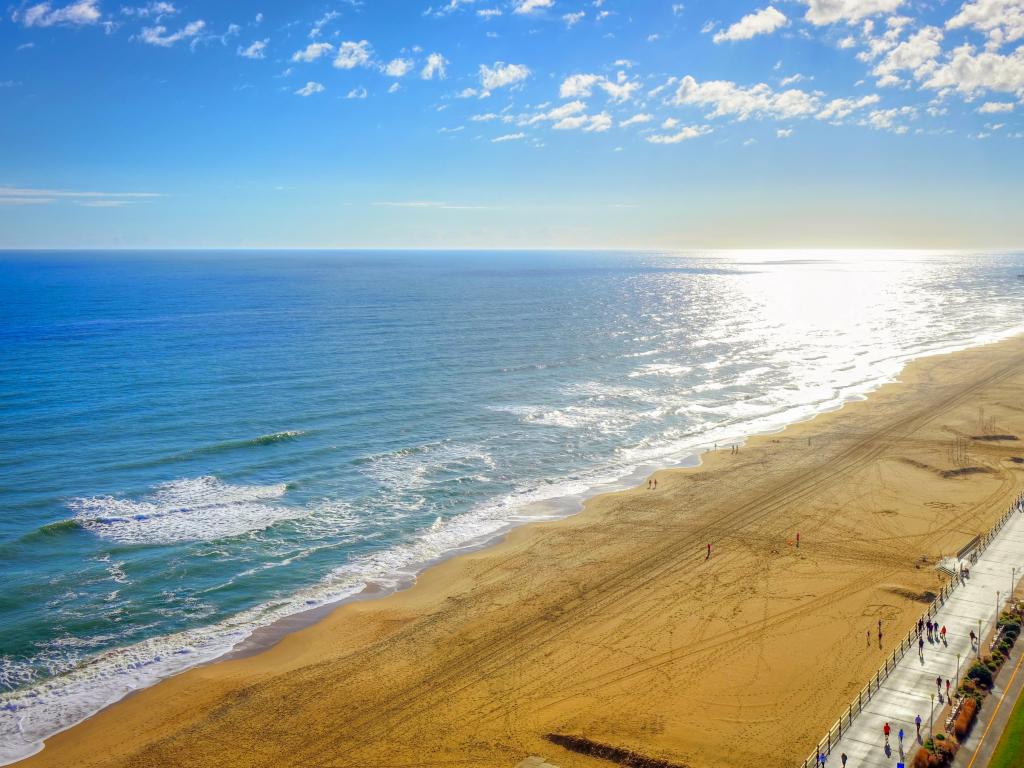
x,y
906,692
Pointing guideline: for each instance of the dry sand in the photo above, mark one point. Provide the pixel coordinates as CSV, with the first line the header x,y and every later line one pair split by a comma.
x,y
611,625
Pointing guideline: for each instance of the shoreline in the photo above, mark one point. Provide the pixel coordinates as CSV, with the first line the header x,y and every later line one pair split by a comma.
x,y
268,638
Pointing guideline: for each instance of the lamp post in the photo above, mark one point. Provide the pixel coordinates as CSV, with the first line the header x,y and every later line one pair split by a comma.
x,y
979,638
931,719
957,687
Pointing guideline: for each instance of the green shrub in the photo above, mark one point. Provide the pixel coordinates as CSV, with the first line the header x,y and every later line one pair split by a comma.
x,y
980,674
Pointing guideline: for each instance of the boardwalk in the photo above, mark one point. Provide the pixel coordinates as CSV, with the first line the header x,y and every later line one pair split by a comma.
x,y
907,691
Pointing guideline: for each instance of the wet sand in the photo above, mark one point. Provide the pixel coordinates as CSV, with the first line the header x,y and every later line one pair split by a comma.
x,y
612,625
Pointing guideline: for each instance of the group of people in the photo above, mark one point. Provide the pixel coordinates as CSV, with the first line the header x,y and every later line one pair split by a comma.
x,y
935,634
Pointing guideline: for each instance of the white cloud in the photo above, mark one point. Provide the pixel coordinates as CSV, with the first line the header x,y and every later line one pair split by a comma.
x,y
591,123
310,88
847,42
397,67
1001,20
562,112
323,21
797,78
970,72
436,65
467,93
81,13
502,74
995,107
783,133
637,119
352,55
508,137
255,50
488,13
485,118
916,54
887,119
529,6
837,109
158,35
729,99
669,123
572,19
689,132
450,7
830,11
357,93
152,9
761,22
582,85
578,85
312,52
32,196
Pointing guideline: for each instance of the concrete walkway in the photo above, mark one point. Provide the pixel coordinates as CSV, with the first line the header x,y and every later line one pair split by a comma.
x,y
907,690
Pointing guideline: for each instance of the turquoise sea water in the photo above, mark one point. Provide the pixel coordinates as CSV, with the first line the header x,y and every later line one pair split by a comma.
x,y
195,444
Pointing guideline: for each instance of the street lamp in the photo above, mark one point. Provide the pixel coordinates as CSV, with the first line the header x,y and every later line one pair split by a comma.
x,y
931,719
957,686
979,638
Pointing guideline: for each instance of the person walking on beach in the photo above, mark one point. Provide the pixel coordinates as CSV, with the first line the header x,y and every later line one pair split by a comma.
x,y
798,539
867,636
886,730
709,553
655,483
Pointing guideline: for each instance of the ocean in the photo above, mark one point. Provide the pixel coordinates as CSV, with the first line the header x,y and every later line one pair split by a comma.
x,y
195,445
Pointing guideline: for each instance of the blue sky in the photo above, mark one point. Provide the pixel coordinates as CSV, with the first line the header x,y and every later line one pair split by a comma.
x,y
512,123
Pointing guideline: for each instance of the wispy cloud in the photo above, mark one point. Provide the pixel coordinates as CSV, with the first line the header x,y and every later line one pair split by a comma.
x,y
11,195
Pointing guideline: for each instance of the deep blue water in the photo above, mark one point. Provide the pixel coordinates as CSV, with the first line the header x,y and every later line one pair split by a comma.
x,y
193,444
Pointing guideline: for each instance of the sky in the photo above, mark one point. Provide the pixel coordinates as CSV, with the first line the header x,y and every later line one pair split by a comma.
x,y
512,124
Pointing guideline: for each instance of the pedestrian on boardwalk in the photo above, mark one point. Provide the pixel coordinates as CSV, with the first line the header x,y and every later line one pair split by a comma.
x,y
842,759
942,634
886,730
947,691
938,687
900,735
822,758
973,638
920,647
917,722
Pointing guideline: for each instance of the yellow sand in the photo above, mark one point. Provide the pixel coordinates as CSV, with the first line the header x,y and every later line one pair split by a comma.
x,y
611,625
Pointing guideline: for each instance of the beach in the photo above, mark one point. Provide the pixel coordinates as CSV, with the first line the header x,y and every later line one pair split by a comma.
x,y
614,625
